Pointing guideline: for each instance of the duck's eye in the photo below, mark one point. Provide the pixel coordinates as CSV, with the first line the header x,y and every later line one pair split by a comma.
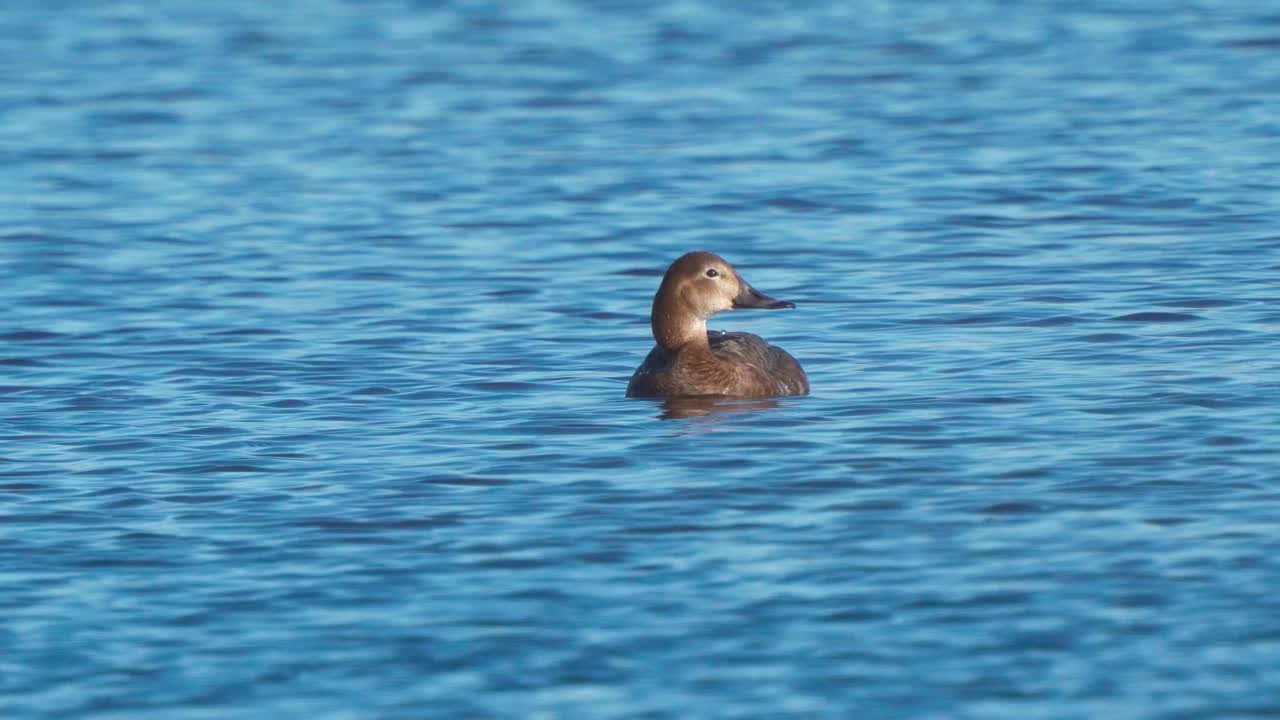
x,y
712,272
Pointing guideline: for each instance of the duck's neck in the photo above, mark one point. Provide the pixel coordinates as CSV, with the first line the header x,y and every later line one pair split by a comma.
x,y
675,330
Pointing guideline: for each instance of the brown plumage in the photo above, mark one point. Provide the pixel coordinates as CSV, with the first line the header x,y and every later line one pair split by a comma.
x,y
689,361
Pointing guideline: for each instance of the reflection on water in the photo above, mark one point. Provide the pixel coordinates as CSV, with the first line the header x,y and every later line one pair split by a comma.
x,y
709,406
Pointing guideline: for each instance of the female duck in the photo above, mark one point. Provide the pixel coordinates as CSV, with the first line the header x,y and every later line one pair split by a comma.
x,y
690,361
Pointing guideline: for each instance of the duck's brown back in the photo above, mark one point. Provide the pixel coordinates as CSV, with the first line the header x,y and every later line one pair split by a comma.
x,y
740,365
778,365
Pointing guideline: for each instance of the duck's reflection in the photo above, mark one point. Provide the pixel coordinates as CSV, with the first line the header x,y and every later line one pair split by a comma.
x,y
710,405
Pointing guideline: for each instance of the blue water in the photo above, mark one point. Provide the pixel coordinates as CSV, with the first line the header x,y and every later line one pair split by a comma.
x,y
317,317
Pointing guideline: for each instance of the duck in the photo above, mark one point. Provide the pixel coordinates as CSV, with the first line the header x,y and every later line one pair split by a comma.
x,y
690,361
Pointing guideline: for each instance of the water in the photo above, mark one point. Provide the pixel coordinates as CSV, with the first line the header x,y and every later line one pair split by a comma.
x,y
317,321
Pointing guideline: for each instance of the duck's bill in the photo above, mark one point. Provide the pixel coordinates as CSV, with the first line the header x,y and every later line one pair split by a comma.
x,y
749,297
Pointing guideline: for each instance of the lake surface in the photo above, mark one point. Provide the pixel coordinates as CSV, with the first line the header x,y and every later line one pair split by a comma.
x,y
317,319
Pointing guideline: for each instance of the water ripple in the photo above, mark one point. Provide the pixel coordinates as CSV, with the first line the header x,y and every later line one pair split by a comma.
x,y
317,327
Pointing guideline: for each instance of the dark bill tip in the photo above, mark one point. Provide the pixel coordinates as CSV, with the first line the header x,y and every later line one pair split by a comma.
x,y
749,297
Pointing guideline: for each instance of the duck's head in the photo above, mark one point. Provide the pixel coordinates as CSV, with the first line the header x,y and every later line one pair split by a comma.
x,y
697,286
